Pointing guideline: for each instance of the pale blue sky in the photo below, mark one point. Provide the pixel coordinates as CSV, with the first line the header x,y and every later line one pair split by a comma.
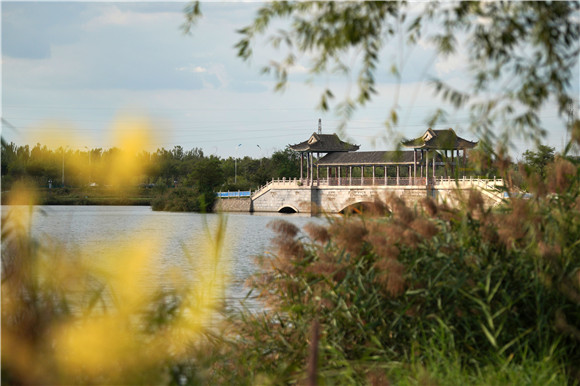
x,y
72,69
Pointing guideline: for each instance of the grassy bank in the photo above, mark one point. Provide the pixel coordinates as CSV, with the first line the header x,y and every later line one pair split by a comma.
x,y
86,196
170,199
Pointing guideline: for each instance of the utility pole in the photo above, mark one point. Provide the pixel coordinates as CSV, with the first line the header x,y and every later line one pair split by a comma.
x,y
63,149
236,165
63,167
90,177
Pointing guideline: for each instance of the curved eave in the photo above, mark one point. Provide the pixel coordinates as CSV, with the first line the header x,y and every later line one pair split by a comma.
x,y
467,145
324,150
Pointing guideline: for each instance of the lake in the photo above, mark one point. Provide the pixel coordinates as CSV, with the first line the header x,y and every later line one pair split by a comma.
x,y
90,230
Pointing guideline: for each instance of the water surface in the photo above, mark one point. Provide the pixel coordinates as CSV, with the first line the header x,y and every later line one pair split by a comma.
x,y
90,230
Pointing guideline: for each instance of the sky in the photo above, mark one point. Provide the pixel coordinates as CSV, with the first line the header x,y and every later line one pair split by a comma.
x,y
73,73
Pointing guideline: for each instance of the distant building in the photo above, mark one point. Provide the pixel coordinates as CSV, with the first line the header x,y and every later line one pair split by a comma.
x,y
429,152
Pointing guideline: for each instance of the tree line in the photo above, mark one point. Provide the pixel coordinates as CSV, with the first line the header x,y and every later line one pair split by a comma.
x,y
180,168
176,167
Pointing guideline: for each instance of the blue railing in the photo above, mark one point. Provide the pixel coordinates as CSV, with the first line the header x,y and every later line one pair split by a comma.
x,y
234,194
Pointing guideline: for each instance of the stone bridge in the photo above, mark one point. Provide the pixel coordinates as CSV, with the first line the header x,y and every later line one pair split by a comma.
x,y
334,196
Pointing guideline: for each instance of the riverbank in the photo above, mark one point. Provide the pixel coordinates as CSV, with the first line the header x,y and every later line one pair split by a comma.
x,y
85,196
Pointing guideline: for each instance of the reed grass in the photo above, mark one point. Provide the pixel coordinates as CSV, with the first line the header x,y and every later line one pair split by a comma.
x,y
427,295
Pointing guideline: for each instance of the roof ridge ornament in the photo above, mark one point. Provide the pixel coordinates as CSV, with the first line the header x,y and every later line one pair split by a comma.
x,y
319,126
440,140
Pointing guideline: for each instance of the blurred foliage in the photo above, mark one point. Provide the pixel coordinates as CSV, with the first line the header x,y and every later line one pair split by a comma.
x,y
518,56
69,319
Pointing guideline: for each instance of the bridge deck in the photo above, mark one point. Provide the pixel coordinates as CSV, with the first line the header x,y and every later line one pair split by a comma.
x,y
333,193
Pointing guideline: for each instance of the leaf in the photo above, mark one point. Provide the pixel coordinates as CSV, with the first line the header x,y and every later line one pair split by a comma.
x,y
489,336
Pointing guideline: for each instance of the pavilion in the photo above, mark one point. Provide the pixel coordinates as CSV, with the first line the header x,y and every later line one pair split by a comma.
x,y
319,143
429,151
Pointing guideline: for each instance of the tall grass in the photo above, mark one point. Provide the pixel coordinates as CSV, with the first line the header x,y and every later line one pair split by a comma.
x,y
430,294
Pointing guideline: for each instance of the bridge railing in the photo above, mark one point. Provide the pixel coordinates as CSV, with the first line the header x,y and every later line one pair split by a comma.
x,y
485,183
370,181
280,184
284,183
237,194
492,188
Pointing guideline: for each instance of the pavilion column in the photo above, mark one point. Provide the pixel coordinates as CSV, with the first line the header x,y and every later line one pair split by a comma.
x,y
311,169
422,157
464,159
362,175
397,175
307,163
445,163
410,176
453,162
307,166
350,175
308,174
373,175
339,176
328,173
317,177
434,158
309,157
301,164
426,168
414,165
386,183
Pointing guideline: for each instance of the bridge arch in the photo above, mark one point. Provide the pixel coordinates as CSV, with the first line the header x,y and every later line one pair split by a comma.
x,y
287,209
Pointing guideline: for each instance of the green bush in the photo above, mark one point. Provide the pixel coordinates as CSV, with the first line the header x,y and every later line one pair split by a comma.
x,y
184,200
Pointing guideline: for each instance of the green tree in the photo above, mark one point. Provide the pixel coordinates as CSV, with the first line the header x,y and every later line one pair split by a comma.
x,y
538,160
286,163
207,174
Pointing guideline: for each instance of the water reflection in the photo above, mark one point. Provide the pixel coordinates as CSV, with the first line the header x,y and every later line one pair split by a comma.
x,y
89,230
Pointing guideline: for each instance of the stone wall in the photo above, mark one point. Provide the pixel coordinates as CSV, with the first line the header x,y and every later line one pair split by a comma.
x,y
233,205
331,199
336,199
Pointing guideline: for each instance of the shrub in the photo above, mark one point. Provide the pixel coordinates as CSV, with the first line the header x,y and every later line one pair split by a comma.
x,y
493,289
184,200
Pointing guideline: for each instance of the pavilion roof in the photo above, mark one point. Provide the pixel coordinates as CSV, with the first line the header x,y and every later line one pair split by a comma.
x,y
324,143
439,139
367,158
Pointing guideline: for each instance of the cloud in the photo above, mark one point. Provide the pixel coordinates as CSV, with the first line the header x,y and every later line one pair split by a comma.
x,y
451,64
113,15
191,68
298,69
